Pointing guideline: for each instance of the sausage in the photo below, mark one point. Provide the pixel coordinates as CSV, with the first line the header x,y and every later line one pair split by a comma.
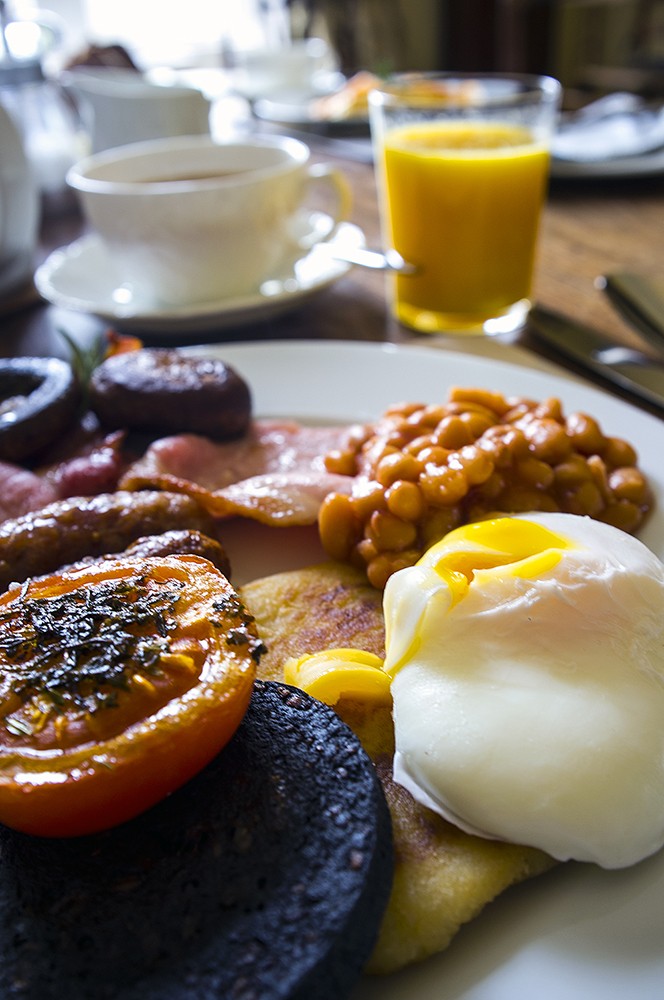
x,y
173,543
67,530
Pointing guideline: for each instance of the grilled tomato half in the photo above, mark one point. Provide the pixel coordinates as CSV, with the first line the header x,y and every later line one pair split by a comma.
x,y
118,683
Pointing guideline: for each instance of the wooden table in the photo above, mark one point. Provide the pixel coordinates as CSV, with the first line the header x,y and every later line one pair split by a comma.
x,y
588,228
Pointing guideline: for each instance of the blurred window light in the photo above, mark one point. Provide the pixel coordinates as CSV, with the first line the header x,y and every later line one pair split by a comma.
x,y
23,39
159,32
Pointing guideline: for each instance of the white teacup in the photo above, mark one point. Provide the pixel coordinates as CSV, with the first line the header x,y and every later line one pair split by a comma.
x,y
188,220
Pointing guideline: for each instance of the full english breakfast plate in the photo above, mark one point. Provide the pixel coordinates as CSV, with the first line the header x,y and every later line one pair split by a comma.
x,y
536,719
577,930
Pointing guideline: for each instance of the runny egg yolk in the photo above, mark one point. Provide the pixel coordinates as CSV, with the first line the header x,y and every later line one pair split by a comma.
x,y
527,665
335,673
513,548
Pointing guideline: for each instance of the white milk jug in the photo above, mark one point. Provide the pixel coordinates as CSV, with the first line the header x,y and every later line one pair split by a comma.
x,y
120,106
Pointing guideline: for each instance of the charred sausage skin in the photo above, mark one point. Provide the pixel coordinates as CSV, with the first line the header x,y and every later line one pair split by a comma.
x,y
188,542
170,543
67,530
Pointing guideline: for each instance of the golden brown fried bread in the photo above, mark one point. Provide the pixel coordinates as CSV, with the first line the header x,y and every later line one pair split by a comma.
x,y
312,609
443,877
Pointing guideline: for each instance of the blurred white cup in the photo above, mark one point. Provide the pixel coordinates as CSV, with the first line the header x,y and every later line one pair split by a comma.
x,y
292,70
187,220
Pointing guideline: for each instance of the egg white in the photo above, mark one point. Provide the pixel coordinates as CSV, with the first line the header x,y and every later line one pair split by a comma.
x,y
533,709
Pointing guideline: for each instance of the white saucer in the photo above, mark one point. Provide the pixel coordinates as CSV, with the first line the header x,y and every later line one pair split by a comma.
x,y
83,277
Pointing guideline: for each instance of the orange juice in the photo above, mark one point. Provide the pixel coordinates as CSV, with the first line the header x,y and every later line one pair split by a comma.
x,y
463,204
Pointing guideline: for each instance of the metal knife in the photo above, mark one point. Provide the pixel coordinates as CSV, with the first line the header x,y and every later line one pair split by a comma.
x,y
636,374
640,300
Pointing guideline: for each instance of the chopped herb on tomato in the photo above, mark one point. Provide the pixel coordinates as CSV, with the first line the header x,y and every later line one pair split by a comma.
x,y
118,682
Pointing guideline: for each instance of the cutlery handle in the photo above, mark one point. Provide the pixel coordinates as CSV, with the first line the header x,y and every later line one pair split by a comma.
x,y
640,301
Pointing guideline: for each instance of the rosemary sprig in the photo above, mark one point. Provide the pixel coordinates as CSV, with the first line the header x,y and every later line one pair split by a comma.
x,y
84,360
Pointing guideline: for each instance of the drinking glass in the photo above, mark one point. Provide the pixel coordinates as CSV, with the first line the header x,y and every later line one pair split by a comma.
x,y
462,166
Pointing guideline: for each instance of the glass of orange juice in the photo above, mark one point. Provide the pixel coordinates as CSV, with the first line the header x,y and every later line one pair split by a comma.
x,y
462,164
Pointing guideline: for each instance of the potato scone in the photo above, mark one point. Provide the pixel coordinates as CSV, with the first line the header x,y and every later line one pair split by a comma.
x,y
443,877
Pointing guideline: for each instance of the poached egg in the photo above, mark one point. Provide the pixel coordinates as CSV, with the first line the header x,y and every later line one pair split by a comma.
x,y
527,662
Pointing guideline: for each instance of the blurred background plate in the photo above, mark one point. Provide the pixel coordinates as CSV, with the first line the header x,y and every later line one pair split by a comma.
x,y
644,165
286,113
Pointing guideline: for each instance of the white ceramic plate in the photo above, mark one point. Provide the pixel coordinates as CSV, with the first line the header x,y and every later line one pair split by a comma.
x,y
578,932
83,277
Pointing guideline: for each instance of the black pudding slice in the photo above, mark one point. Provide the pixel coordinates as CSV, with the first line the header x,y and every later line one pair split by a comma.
x,y
167,392
264,878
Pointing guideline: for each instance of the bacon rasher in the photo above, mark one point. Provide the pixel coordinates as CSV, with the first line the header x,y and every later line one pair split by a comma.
x,y
275,474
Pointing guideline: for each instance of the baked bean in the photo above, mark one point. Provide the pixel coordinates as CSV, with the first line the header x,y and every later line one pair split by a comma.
x,y
516,413
550,409
356,436
586,499
367,550
618,453
372,452
400,560
379,570
521,498
459,409
548,440
415,418
383,566
442,485
424,469
339,527
403,409
494,485
419,444
438,523
367,496
572,472
395,439
432,415
397,466
477,465
584,434
405,500
532,472
506,443
434,455
600,477
342,462
623,515
477,424
498,449
453,433
479,511
390,533
628,484
513,401
492,400
402,426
